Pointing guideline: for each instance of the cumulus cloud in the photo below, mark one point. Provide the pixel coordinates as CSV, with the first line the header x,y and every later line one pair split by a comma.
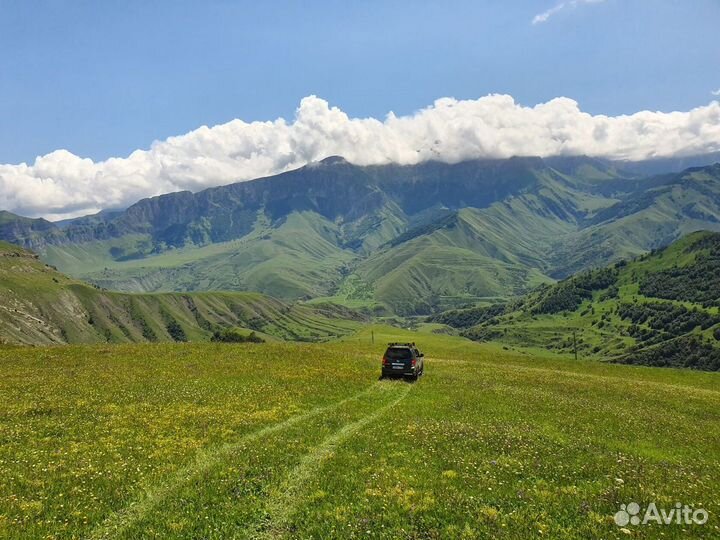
x,y
545,15
716,92
61,184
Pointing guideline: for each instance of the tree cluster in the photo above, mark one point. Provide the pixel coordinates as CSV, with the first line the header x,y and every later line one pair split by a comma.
x,y
687,352
465,318
233,335
569,294
663,320
698,282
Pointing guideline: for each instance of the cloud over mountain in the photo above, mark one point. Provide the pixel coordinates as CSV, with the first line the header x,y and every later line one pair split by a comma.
x,y
62,184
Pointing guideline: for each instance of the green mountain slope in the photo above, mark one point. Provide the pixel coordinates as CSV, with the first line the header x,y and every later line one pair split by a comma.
x,y
405,239
662,309
648,219
480,254
477,255
39,305
298,258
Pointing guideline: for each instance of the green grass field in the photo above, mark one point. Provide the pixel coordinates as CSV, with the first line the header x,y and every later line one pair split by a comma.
x,y
284,440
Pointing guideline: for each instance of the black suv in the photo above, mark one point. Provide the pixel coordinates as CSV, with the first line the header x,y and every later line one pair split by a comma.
x,y
403,359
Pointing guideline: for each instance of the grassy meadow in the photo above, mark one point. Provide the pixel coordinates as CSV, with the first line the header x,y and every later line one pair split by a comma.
x,y
298,440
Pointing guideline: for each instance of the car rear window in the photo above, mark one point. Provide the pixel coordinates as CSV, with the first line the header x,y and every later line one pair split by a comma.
x,y
398,354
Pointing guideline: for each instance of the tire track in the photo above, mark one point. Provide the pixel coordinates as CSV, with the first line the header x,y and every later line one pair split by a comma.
x,y
285,500
118,522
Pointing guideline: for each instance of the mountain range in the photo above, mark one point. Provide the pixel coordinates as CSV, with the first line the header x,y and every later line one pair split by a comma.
x,y
413,239
660,309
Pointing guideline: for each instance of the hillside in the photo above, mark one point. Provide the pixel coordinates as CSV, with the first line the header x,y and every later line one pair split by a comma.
x,y
404,239
39,305
662,309
668,207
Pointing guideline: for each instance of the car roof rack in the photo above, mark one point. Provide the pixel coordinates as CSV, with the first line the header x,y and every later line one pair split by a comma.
x,y
398,344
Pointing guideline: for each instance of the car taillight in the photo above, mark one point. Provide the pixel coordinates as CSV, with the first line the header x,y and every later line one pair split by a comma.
x,y
384,361
414,362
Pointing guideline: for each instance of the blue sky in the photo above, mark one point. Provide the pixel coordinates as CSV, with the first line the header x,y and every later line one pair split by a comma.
x,y
104,78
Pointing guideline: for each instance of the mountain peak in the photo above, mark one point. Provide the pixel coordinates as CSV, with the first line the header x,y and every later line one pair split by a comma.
x,y
334,160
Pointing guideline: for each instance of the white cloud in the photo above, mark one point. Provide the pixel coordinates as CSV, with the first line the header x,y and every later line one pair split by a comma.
x,y
61,184
545,15
716,92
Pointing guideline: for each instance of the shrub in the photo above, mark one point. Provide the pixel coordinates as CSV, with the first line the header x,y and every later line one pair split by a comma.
x,y
234,335
687,351
569,294
173,327
698,282
465,318
664,317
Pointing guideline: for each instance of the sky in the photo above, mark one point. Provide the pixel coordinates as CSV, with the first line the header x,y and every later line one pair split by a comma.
x,y
102,103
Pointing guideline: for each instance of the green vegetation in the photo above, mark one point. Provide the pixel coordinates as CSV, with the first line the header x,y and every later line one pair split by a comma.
x,y
38,305
655,310
686,351
569,294
465,318
477,256
199,441
174,330
658,321
236,335
246,436
661,210
697,282
353,293
296,259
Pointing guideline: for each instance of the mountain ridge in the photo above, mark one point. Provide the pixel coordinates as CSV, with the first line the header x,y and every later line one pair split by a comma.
x,y
301,234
